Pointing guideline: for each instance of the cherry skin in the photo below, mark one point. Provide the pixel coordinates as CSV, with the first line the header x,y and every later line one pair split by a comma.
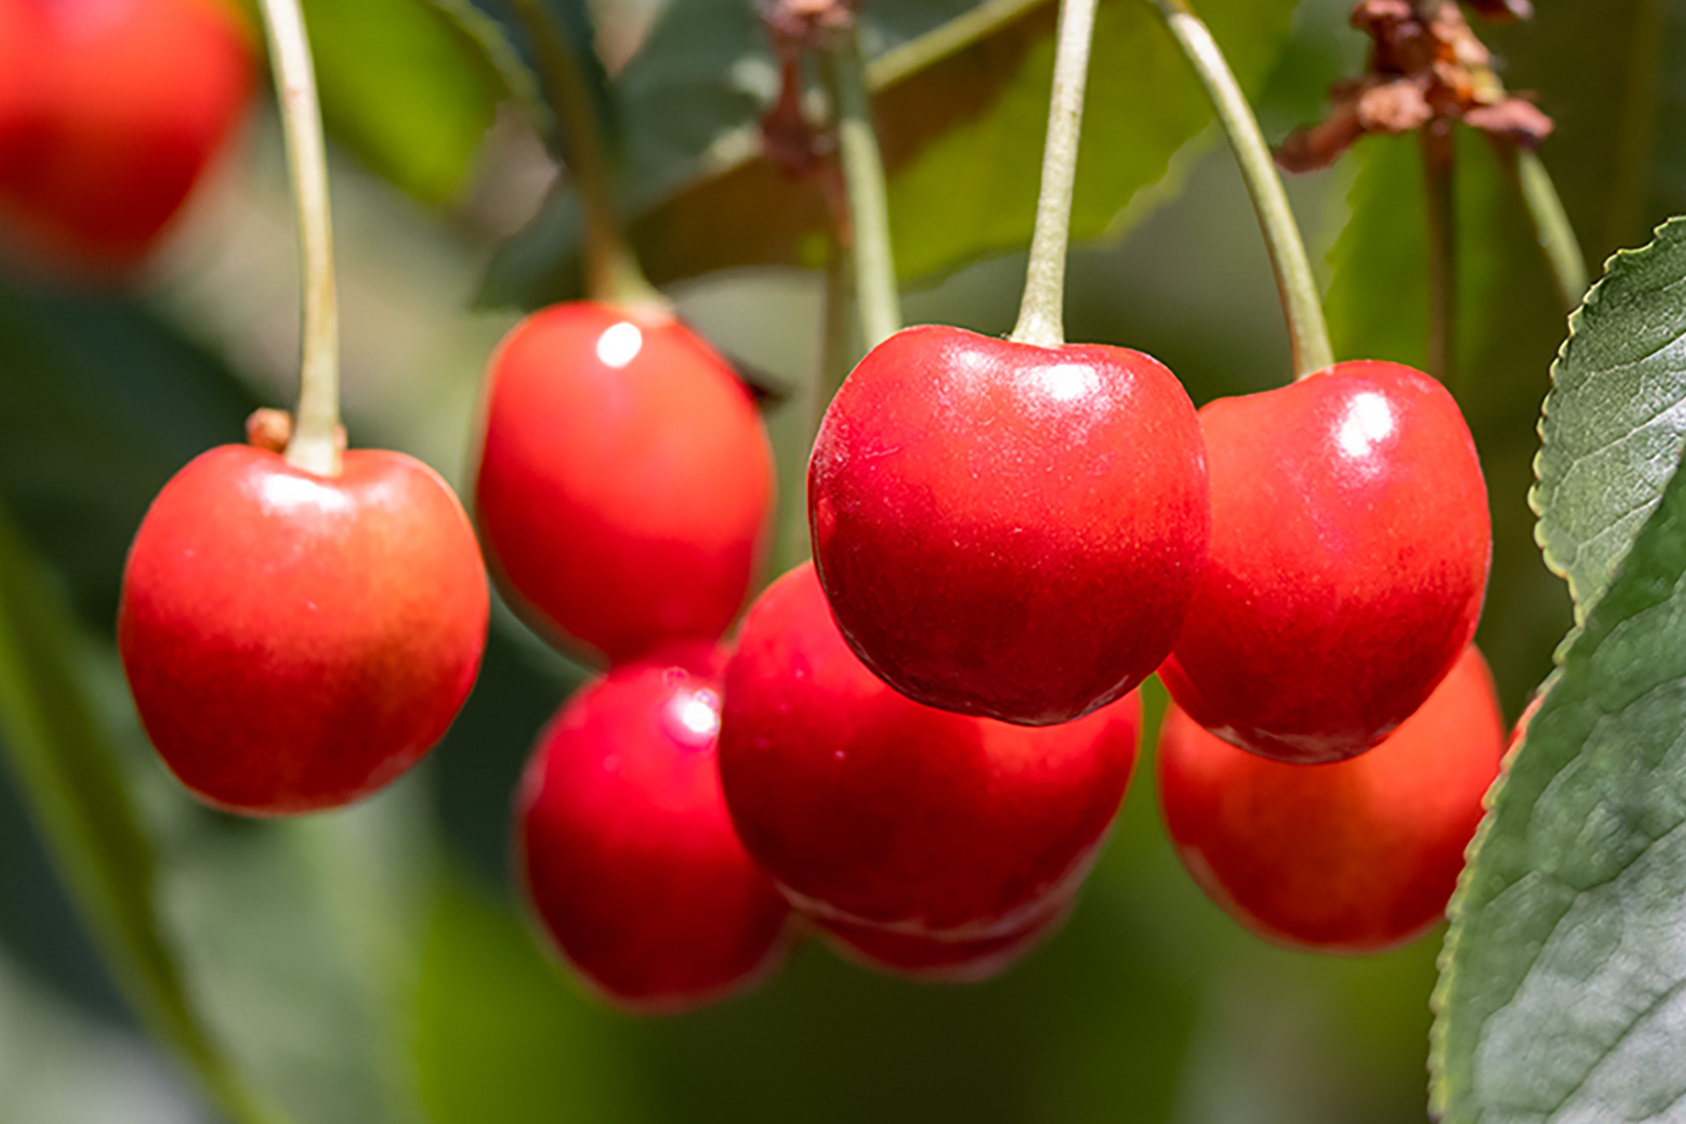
x,y
628,857
1352,857
930,960
294,642
129,101
625,479
870,809
1350,551
1007,530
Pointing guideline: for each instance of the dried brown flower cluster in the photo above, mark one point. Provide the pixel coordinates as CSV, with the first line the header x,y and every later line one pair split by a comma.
x,y
1425,64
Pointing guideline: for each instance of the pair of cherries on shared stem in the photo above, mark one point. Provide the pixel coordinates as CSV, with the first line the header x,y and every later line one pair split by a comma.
x,y
1027,533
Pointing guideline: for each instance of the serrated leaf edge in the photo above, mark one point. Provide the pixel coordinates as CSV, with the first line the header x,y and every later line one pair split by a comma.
x,y
1558,566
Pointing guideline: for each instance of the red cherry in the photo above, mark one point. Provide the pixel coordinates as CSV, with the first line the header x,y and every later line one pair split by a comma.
x,y
625,479
931,960
1355,856
629,859
295,642
1350,551
129,101
870,809
1008,530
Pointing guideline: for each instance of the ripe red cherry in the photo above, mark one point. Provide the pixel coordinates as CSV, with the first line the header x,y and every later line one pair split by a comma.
x,y
295,642
629,859
127,103
1350,551
1009,530
1355,856
870,809
625,479
931,960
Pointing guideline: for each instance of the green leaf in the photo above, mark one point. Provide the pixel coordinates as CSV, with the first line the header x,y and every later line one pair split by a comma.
x,y
499,1036
1563,981
961,112
82,805
100,403
405,88
1615,420
1377,302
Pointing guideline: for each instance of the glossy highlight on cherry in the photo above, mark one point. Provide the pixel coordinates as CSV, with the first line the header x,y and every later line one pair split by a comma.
x,y
1350,551
294,642
1005,530
871,810
626,853
624,482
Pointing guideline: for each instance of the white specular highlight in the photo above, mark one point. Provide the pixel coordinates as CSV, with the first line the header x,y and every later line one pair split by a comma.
x,y
1368,420
1066,382
699,713
619,344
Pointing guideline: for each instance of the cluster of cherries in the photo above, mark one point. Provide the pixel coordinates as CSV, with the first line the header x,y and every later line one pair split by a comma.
x,y
917,743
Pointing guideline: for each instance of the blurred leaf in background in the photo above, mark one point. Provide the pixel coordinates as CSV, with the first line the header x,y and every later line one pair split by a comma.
x,y
960,108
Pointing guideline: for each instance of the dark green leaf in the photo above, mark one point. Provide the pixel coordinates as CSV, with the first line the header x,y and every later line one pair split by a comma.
x,y
1616,417
961,113
1563,985
499,1036
404,87
82,805
100,403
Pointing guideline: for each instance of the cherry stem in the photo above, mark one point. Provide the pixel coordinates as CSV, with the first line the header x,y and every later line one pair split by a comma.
x,y
1551,222
612,273
1042,312
877,297
1302,307
837,356
1440,183
314,446
837,345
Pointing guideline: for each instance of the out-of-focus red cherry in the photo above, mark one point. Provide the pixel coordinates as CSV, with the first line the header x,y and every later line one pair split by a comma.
x,y
869,809
294,642
625,479
1350,550
627,853
117,111
1008,530
1356,856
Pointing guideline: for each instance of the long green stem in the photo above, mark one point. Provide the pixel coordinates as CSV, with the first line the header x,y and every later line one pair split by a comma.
x,y
838,352
1308,335
877,297
1551,225
1439,176
315,441
612,271
1042,312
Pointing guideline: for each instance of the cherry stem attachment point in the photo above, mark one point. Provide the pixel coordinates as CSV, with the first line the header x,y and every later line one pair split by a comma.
x,y
314,446
1302,307
874,266
1440,194
1042,311
612,273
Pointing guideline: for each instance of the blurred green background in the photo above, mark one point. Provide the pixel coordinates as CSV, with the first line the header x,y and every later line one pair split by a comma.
x,y
372,965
